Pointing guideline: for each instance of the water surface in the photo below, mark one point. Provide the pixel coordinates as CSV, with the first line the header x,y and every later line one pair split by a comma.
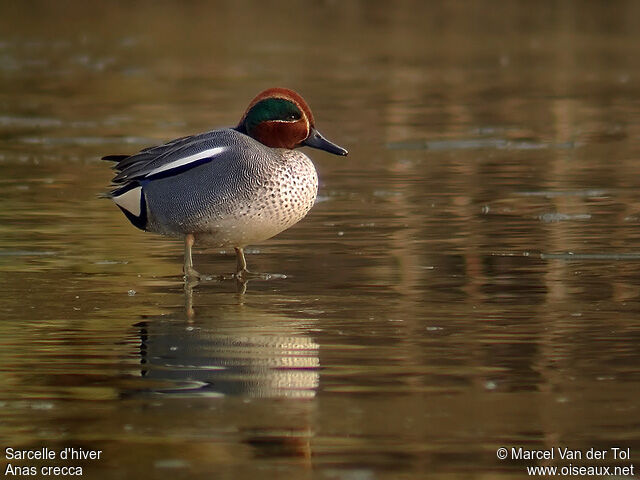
x,y
468,279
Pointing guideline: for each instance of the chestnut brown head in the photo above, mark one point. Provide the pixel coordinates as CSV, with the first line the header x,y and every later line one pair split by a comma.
x,y
280,118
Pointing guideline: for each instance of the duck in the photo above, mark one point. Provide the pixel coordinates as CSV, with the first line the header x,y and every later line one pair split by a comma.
x,y
228,187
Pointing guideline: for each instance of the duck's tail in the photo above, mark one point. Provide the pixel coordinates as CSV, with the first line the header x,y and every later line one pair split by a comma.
x,y
115,158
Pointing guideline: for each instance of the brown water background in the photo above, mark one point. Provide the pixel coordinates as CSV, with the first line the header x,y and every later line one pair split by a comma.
x,y
468,280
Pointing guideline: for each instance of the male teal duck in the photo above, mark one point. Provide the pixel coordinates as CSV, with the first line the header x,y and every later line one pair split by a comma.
x,y
230,187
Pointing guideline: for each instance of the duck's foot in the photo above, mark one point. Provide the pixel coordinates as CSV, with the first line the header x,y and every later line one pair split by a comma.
x,y
246,275
191,275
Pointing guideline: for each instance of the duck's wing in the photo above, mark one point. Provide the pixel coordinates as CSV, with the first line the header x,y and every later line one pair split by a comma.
x,y
176,156
123,161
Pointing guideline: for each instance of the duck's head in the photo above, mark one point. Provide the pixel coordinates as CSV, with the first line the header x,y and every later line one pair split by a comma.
x,y
280,118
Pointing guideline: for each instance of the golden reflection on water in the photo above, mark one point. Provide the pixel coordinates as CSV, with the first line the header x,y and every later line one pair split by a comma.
x,y
467,280
265,356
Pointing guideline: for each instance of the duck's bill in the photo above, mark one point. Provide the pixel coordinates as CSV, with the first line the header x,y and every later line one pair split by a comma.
x,y
316,140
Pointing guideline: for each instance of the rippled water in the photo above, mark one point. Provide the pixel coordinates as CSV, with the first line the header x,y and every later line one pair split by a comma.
x,y
468,279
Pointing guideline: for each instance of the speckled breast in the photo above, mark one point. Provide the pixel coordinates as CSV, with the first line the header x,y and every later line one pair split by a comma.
x,y
280,196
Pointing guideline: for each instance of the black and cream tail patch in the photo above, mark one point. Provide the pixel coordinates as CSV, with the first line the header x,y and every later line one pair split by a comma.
x,y
131,201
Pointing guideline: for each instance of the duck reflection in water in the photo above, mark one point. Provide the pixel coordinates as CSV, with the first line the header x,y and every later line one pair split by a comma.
x,y
238,350
229,350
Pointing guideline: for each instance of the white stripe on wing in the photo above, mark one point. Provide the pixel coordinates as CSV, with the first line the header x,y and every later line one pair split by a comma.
x,y
180,162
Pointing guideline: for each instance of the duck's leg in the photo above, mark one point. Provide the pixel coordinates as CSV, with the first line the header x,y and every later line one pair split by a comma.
x,y
243,275
241,263
189,272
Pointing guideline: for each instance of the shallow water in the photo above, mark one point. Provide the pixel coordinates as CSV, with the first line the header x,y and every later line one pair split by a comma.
x,y
468,279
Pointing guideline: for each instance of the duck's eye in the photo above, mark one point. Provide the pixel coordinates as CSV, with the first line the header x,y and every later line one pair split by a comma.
x,y
293,116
